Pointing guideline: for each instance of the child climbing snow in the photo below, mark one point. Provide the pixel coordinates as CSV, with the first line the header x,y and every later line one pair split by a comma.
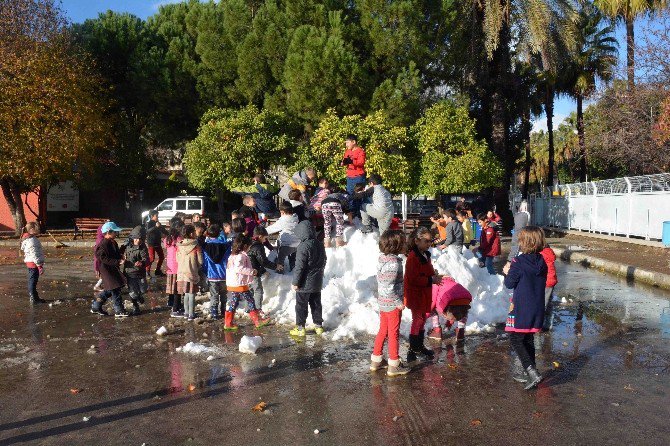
x,y
189,263
34,259
452,300
390,299
287,242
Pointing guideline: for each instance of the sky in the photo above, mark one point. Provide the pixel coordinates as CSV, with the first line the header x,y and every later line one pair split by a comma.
x,y
80,10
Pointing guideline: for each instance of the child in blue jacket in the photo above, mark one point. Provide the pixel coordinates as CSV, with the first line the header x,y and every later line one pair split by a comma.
x,y
527,275
215,257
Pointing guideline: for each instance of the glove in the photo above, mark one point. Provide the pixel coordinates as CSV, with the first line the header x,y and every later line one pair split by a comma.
x,y
346,161
40,269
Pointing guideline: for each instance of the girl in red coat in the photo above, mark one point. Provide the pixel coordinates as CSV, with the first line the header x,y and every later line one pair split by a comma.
x,y
552,280
418,285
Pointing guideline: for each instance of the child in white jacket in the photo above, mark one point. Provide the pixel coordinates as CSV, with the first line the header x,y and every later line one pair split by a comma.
x,y
34,259
288,242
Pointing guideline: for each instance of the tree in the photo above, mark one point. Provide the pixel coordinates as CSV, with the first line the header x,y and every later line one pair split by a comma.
x,y
400,99
593,59
233,145
453,159
627,11
53,118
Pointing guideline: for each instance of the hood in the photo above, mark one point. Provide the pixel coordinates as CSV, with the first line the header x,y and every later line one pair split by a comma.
x,y
137,232
216,249
305,231
532,263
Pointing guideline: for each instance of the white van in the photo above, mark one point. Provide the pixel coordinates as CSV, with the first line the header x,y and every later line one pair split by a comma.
x,y
188,205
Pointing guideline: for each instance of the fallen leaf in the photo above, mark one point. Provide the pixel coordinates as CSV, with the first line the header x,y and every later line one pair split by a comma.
x,y
452,366
260,407
475,422
191,387
75,391
556,364
538,414
628,387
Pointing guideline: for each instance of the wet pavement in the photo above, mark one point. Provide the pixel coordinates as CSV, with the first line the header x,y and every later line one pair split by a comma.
x,y
606,362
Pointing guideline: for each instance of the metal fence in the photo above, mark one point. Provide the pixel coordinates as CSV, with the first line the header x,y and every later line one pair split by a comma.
x,y
628,206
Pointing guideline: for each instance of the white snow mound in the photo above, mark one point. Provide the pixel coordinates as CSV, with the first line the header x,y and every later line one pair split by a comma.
x,y
249,344
349,291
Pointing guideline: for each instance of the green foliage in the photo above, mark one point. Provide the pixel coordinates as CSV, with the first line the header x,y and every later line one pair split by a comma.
x,y
453,159
388,149
232,145
400,99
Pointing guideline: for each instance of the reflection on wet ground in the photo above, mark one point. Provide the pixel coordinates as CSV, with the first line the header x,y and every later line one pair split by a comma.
x,y
606,363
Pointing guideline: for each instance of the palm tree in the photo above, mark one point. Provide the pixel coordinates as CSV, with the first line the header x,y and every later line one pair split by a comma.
x,y
593,59
627,11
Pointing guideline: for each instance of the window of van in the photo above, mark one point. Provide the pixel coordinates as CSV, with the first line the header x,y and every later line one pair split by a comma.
x,y
165,206
194,205
181,205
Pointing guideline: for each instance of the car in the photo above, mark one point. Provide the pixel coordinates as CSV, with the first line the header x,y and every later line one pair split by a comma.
x,y
189,205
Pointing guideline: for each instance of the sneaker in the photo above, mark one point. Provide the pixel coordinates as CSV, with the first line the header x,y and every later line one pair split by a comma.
x,y
101,312
398,369
378,365
298,331
121,314
190,318
318,330
175,314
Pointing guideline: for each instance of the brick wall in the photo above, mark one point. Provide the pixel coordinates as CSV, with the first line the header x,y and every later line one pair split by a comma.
x,y
6,221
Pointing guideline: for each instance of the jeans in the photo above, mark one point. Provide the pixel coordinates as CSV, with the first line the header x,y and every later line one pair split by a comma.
x,y
217,289
354,205
153,252
189,304
389,328
302,301
33,277
135,288
488,261
524,346
257,288
115,294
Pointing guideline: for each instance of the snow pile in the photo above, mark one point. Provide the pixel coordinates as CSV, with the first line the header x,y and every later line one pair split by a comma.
x,y
193,348
350,284
249,344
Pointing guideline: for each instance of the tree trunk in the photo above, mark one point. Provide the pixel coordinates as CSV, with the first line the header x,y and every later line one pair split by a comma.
x,y
12,195
580,135
549,109
526,144
630,51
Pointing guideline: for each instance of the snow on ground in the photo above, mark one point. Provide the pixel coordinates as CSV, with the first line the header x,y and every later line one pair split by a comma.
x,y
350,285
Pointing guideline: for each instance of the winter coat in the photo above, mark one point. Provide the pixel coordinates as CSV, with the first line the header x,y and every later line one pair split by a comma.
x,y
357,166
215,257
99,236
320,195
32,250
154,234
449,292
521,220
264,194
310,260
189,261
298,181
239,272
285,225
454,234
259,261
134,254
527,276
418,281
489,242
389,282
171,255
549,257
380,198
109,257
298,210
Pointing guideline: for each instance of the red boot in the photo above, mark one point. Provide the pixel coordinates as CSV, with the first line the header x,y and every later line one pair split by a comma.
x,y
229,325
258,320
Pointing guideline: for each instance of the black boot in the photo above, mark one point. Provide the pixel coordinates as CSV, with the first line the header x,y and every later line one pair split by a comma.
x,y
35,299
534,378
421,348
518,373
411,353
136,307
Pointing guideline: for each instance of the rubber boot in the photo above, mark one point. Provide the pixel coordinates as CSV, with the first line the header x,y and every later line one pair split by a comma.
x,y
428,353
518,373
257,319
327,243
411,352
534,378
229,324
339,242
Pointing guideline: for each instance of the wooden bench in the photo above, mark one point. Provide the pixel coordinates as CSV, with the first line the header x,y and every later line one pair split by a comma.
x,y
87,224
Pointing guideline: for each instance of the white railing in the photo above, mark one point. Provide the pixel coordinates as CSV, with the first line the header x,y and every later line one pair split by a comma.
x,y
628,206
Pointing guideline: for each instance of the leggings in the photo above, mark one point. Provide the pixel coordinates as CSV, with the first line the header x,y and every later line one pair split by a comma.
x,y
418,322
330,211
235,297
524,346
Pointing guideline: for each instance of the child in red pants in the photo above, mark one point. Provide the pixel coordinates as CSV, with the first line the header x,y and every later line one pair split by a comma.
x,y
390,296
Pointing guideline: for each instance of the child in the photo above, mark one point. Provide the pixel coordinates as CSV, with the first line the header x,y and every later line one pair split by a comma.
x,y
527,275
452,301
109,256
200,237
440,225
238,226
263,192
468,236
390,297
135,267
260,262
240,275
380,207
419,279
249,214
226,232
171,243
320,194
454,232
215,255
550,259
288,242
494,219
189,263
489,244
155,232
332,208
297,201
310,262
99,236
34,259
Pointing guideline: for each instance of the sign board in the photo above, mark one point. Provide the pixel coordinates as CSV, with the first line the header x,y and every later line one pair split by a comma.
x,y
63,197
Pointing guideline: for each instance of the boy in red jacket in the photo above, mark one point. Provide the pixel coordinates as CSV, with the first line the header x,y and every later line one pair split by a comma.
x,y
549,258
489,244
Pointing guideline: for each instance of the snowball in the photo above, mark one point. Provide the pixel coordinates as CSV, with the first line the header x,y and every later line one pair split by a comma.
x,y
249,344
161,331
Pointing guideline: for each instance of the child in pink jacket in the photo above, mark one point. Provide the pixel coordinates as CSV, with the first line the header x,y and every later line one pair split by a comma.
x,y
452,300
239,276
170,244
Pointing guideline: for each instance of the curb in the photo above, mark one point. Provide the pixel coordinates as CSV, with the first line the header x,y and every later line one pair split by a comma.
x,y
629,272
